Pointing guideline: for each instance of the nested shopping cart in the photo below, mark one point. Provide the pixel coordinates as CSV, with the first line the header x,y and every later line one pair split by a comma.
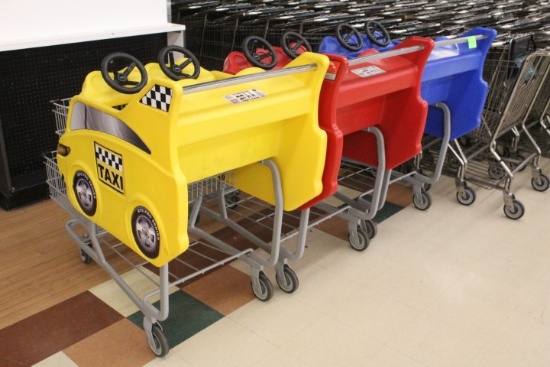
x,y
452,85
366,133
516,75
142,148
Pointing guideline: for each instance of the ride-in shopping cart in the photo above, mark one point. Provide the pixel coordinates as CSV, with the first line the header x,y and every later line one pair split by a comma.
x,y
369,135
137,147
452,85
516,74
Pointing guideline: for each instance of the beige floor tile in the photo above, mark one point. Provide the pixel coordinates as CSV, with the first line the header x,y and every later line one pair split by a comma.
x,y
410,285
390,358
375,315
322,289
225,343
279,358
435,344
141,283
523,341
173,359
328,342
59,359
278,319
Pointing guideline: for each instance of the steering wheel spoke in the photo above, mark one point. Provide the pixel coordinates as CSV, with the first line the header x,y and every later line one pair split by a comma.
x,y
172,69
377,33
349,37
120,78
251,46
293,42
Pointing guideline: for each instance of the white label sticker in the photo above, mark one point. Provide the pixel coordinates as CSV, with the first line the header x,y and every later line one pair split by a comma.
x,y
368,71
247,95
444,53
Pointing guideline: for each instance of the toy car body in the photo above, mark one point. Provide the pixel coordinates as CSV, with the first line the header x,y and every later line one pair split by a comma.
x,y
128,159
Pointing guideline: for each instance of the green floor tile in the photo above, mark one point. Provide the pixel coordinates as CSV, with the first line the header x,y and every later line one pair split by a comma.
x,y
187,317
387,211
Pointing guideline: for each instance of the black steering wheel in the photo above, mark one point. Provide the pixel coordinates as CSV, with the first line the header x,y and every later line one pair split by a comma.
x,y
250,48
116,68
291,43
174,71
377,33
344,33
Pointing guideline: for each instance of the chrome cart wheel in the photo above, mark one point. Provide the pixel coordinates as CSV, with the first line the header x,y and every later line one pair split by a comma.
x,y
361,241
422,201
496,172
541,184
290,283
516,212
84,192
264,290
371,228
158,342
467,197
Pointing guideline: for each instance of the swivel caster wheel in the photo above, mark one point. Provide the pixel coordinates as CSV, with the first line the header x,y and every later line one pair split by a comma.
x,y
290,282
359,241
422,201
467,197
262,288
516,211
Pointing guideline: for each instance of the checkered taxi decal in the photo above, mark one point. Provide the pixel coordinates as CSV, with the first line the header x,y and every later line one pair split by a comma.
x,y
158,97
110,167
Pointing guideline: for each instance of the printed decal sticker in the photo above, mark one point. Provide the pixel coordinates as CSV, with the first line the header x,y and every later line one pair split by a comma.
x,y
110,168
368,71
246,96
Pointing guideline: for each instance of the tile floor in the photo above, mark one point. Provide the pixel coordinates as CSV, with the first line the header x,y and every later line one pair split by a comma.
x,y
453,286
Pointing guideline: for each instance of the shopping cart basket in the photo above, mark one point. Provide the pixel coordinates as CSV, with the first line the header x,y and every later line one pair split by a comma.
x,y
516,75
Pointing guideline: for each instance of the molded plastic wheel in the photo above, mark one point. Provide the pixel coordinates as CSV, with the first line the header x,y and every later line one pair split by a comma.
x,y
291,280
466,198
160,343
266,288
232,200
515,213
86,259
371,228
542,184
362,241
422,201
